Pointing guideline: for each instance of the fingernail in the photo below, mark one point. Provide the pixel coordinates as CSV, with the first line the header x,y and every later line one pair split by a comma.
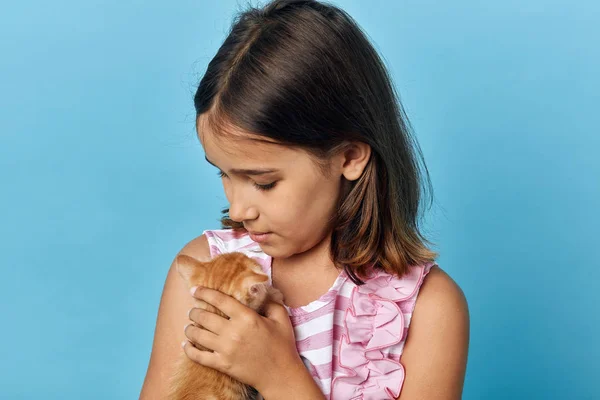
x,y
193,290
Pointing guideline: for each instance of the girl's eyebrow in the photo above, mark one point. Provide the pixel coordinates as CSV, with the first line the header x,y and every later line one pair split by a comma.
x,y
246,171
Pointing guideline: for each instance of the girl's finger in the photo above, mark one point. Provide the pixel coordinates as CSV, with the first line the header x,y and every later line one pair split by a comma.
x,y
211,321
202,337
205,358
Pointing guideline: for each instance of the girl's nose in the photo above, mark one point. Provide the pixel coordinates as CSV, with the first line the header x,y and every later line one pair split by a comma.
x,y
241,210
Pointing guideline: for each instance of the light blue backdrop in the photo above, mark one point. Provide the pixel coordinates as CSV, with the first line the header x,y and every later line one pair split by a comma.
x,y
103,180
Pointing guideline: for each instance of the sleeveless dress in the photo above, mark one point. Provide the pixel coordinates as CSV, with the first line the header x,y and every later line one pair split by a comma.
x,y
352,337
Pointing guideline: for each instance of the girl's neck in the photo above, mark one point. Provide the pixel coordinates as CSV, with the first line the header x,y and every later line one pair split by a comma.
x,y
317,258
304,277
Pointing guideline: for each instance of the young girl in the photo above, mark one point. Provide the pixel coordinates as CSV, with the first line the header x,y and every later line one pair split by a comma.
x,y
299,115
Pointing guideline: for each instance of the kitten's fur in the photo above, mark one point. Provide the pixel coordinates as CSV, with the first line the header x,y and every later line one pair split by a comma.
x,y
242,278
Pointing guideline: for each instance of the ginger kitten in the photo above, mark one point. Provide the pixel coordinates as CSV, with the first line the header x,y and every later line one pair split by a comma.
x,y
242,278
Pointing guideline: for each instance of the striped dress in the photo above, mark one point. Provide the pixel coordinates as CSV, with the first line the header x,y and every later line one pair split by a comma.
x,y
352,337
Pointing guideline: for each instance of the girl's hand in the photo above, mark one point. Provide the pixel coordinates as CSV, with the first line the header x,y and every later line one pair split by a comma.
x,y
256,350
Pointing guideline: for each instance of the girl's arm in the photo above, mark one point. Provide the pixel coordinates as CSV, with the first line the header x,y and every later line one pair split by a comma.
x,y
435,353
172,317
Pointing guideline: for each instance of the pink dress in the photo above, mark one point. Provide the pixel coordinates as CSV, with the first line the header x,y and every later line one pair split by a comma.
x,y
352,337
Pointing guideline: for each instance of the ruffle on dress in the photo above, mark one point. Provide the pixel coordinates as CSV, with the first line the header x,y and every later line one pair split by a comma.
x,y
374,321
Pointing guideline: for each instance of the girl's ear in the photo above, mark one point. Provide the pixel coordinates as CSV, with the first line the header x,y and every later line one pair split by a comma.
x,y
190,269
355,159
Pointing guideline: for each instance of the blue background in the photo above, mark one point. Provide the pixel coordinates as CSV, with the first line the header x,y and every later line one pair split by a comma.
x,y
103,180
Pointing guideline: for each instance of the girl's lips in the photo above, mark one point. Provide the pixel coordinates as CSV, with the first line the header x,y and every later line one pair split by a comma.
x,y
259,237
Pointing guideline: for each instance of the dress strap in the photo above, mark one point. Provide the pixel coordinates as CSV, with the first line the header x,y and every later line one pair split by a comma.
x,y
222,241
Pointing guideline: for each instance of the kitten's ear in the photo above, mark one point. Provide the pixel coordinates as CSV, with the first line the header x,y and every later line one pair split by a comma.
x,y
260,293
259,289
190,269
263,289
255,294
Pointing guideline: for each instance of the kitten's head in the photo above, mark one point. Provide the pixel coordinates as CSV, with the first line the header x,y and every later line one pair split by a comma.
x,y
234,274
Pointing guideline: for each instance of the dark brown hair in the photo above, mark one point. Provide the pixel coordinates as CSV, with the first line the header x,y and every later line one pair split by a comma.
x,y
303,73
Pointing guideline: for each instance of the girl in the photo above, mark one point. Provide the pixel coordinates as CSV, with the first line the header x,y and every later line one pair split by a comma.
x,y
299,115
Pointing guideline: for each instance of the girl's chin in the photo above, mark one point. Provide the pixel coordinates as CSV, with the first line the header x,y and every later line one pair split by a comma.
x,y
274,251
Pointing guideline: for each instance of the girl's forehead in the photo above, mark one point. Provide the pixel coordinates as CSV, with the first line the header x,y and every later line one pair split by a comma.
x,y
239,148
232,145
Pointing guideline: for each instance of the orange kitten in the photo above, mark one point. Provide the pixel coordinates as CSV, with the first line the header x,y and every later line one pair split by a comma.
x,y
242,278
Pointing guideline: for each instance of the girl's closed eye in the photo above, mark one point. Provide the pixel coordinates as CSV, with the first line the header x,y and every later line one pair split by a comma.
x,y
256,185
265,187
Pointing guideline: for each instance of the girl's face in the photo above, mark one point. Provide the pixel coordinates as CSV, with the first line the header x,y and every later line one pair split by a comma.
x,y
276,190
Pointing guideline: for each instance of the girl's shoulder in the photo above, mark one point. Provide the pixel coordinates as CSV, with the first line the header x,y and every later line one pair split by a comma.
x,y
374,343
375,327
440,321
387,286
384,303
384,292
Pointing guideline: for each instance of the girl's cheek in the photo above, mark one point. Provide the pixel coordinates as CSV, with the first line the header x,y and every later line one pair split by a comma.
x,y
226,188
